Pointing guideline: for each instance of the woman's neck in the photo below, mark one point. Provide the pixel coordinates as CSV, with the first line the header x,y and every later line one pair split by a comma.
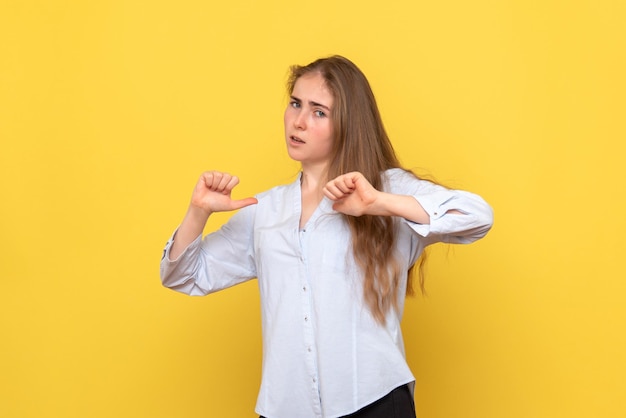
x,y
314,177
311,184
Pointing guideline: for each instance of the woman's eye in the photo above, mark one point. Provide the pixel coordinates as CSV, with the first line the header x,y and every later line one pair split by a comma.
x,y
319,114
294,104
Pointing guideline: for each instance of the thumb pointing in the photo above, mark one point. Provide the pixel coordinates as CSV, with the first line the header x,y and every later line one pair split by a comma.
x,y
242,203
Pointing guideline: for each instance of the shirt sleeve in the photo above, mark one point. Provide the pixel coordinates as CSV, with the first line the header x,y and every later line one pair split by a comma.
x,y
473,223
222,259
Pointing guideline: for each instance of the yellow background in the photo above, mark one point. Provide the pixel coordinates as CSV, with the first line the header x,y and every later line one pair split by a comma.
x,y
109,110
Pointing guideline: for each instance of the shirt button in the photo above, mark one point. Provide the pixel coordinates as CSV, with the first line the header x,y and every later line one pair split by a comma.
x,y
304,288
306,318
309,349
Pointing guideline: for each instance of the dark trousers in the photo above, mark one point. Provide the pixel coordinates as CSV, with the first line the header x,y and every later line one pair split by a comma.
x,y
397,404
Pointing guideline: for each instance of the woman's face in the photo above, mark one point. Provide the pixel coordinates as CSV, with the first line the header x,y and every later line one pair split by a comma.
x,y
308,124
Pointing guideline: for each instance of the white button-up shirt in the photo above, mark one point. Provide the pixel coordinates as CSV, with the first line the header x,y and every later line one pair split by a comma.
x,y
324,355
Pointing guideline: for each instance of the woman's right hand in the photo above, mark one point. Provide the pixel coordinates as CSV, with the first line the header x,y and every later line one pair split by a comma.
x,y
213,193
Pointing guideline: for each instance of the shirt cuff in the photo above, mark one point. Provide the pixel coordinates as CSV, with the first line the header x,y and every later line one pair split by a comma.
x,y
434,205
166,251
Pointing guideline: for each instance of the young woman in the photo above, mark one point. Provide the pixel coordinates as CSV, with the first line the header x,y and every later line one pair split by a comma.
x,y
332,252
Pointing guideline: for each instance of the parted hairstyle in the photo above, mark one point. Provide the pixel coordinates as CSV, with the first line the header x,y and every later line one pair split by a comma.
x,y
361,144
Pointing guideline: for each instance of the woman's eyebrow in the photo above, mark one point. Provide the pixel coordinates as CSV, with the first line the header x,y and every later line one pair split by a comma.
x,y
312,103
319,105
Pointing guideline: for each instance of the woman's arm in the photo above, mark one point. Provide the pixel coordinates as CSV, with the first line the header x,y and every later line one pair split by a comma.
x,y
453,216
354,195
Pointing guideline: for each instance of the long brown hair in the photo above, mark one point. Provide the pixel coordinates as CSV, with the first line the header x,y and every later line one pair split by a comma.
x,y
361,144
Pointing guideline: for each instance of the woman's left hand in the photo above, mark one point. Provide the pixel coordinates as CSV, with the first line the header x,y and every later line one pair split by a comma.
x,y
352,193
355,196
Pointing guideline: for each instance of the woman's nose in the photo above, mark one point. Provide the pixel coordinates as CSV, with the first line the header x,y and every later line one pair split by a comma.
x,y
299,120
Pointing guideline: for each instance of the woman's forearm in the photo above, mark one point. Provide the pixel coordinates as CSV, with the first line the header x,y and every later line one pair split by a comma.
x,y
192,226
